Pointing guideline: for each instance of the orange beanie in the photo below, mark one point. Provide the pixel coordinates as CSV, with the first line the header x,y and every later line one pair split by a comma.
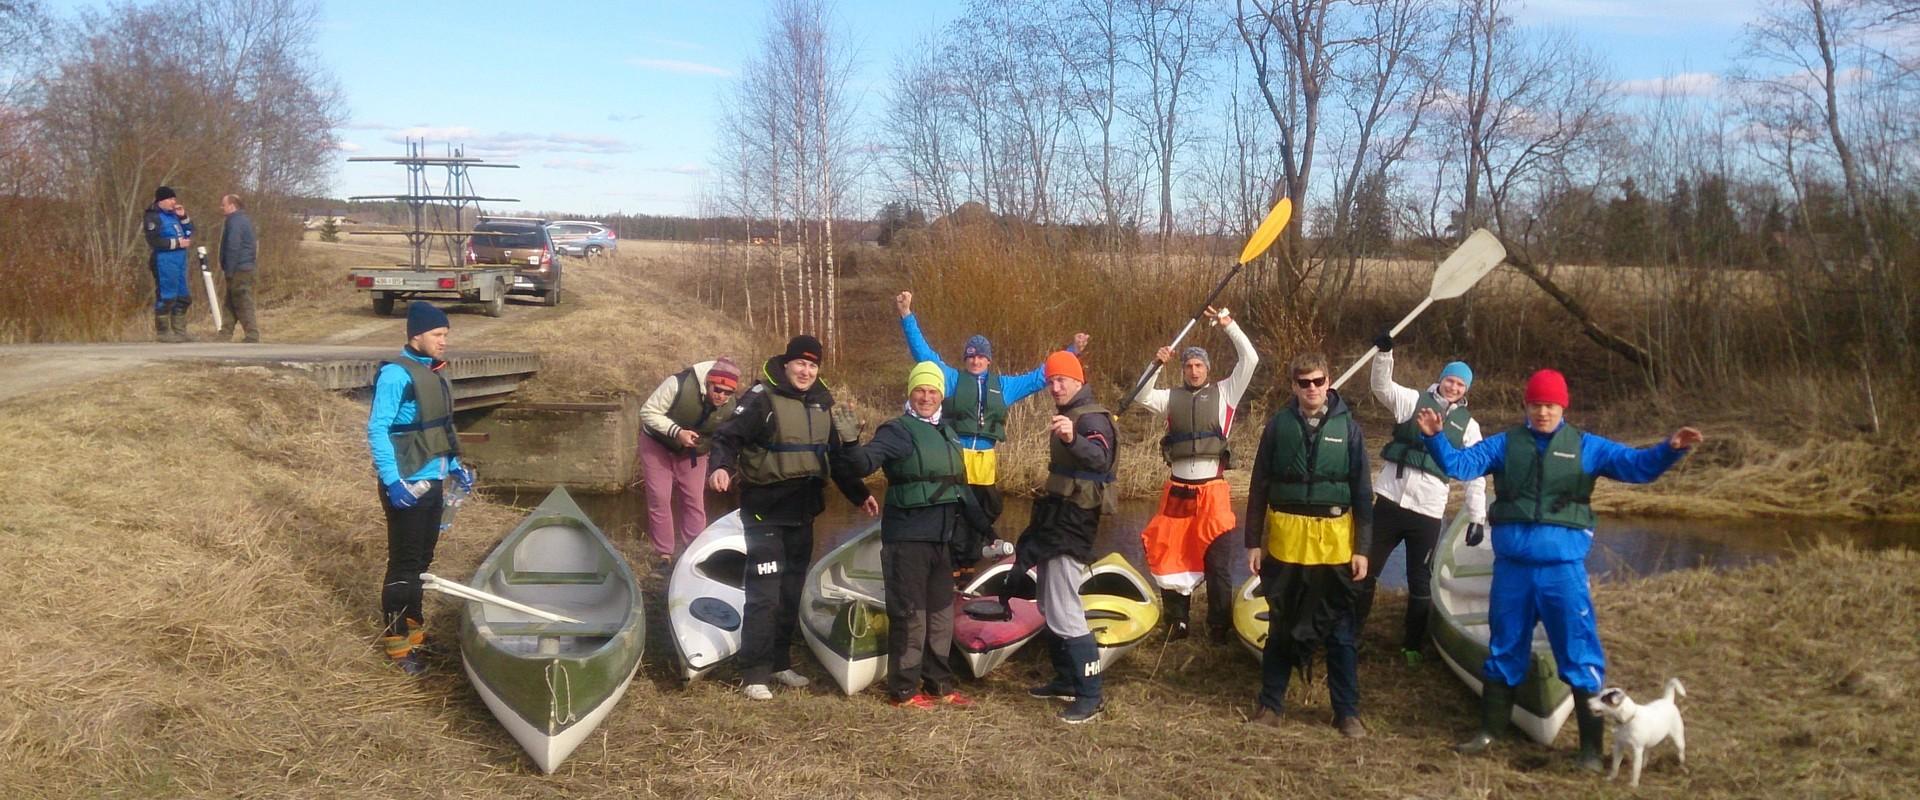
x,y
1061,362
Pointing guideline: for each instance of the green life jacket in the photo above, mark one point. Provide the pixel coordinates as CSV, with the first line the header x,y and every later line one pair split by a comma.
x,y
932,474
430,435
795,445
1409,450
691,412
1547,486
1065,478
1311,470
973,414
1193,424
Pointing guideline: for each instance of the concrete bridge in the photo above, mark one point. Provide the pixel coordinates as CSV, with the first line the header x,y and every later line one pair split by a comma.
x,y
481,378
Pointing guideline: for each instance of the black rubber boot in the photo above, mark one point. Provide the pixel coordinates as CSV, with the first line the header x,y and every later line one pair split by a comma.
x,y
1496,708
1084,654
179,325
1593,731
162,329
1061,687
1177,606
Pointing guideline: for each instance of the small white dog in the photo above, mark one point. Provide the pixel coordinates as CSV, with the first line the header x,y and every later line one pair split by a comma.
x,y
1638,727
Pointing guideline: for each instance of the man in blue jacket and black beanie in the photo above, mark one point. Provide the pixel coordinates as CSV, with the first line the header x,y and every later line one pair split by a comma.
x,y
415,452
169,233
1543,475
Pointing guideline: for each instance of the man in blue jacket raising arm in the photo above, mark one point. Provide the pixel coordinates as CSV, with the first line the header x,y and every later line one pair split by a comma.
x,y
1543,475
976,408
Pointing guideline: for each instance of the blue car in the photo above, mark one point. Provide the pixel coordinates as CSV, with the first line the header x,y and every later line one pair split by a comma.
x,y
588,239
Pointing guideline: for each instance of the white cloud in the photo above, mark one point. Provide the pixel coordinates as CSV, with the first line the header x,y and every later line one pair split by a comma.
x,y
511,144
633,117
580,164
686,168
348,147
682,67
1685,84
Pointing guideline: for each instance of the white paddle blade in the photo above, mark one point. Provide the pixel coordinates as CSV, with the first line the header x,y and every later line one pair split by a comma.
x,y
1468,263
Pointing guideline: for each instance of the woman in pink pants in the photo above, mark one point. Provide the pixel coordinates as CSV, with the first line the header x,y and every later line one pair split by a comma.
x,y
677,419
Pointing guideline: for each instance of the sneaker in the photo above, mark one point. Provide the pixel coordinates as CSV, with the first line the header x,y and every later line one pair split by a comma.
x,y
1177,630
1351,727
1051,691
1264,716
1083,709
411,664
791,679
919,701
759,691
957,700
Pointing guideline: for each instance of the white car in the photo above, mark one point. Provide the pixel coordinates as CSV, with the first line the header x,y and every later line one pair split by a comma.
x,y
589,239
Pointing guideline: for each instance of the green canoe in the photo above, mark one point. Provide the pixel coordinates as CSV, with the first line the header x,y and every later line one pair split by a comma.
x,y
1462,582
551,683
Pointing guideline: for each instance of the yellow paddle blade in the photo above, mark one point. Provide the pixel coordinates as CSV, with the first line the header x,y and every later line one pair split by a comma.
x,y
1268,231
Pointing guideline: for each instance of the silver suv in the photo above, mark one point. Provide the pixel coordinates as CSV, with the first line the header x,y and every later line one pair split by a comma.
x,y
576,238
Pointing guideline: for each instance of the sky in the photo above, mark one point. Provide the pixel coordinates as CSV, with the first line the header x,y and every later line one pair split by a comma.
x,y
612,106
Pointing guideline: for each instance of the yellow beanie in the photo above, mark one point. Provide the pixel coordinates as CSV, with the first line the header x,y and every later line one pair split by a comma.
x,y
926,373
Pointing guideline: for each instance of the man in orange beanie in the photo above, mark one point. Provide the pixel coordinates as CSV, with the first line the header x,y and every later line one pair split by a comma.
x,y
1543,476
1083,448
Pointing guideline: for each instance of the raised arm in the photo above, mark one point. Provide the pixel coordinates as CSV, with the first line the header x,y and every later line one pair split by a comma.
x,y
1609,459
1400,400
1246,360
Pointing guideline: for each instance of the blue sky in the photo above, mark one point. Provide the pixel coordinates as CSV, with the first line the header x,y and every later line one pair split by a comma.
x,y
611,106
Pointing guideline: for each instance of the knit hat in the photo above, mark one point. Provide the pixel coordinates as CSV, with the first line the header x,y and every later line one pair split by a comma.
x,y
1547,386
977,345
926,373
1457,369
1194,352
422,317
163,193
803,346
1061,362
724,373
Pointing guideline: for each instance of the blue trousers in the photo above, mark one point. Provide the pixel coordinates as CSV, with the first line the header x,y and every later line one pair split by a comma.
x,y
1556,596
170,285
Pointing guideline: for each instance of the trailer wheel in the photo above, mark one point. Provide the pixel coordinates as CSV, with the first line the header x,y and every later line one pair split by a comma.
x,y
494,307
383,304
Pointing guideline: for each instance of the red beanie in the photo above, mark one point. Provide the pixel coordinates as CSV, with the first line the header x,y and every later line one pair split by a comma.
x,y
1547,386
1062,362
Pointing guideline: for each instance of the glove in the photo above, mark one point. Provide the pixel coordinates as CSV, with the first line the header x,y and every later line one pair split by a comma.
x,y
1384,342
463,479
399,496
846,423
1476,532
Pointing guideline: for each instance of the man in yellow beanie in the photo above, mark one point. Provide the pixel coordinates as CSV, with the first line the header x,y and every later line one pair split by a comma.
x,y
927,506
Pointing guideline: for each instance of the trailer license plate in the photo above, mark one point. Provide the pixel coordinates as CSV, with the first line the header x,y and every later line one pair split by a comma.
x,y
533,261
389,281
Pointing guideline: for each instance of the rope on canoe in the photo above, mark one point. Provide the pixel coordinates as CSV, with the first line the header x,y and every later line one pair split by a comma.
x,y
553,695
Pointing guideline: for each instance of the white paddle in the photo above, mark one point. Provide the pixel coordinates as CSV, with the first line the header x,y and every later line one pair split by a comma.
x,y
464,592
213,300
1464,267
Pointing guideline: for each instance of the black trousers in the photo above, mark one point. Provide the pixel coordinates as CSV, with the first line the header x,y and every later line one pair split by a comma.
x,y
412,534
1391,526
240,302
967,542
919,583
1309,606
1218,578
777,557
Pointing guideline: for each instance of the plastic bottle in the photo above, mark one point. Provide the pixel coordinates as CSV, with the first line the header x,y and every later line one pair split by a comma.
x,y
998,548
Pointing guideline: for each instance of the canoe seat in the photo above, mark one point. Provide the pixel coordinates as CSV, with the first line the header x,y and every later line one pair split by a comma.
x,y
526,577
1472,570
1470,620
539,628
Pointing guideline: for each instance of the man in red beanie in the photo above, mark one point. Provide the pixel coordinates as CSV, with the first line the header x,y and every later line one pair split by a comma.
x,y
1082,450
784,441
677,420
1543,476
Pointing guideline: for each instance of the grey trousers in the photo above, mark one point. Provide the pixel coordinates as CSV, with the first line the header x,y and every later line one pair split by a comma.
x,y
240,303
1059,596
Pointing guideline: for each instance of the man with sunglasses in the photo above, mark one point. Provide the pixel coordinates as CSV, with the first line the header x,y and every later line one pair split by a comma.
x,y
1410,490
1543,475
677,420
1183,541
1309,524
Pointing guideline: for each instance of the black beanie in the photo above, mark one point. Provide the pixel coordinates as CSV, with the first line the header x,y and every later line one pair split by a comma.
x,y
162,193
422,317
803,346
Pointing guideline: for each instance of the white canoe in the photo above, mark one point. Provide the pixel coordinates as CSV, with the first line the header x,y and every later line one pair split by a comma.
x,y
706,597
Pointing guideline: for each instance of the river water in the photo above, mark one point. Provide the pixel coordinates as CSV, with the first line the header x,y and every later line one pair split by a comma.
x,y
1624,547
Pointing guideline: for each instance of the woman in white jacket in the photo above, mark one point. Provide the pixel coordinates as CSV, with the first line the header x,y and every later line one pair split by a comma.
x,y
1410,491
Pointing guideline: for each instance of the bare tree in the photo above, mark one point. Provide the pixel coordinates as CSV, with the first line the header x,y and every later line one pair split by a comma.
x,y
1171,41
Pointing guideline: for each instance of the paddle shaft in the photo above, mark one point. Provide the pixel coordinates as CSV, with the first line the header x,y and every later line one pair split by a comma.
x,y
431,581
1154,368
1373,351
213,302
